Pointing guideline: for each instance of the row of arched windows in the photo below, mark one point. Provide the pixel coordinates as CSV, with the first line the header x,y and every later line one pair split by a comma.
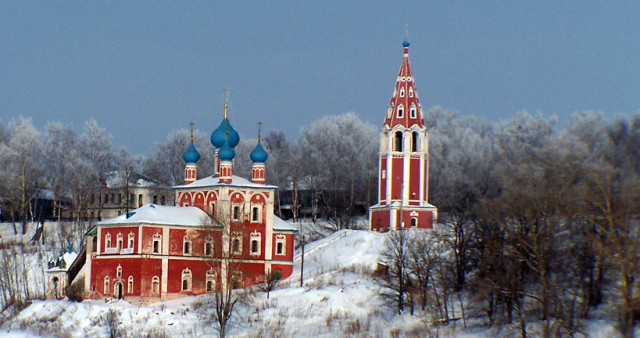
x,y
398,141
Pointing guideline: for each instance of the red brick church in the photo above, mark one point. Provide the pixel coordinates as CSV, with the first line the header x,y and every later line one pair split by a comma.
x,y
403,174
222,231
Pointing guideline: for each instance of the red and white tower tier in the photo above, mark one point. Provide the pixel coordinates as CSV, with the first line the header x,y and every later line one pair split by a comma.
x,y
403,188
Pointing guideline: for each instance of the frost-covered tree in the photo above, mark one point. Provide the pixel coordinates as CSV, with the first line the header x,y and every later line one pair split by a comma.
x,y
22,169
166,165
96,148
338,153
60,150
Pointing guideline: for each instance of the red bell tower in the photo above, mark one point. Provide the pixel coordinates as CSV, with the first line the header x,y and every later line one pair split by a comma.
x,y
403,190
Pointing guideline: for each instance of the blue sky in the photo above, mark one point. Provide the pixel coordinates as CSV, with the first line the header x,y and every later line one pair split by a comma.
x,y
142,69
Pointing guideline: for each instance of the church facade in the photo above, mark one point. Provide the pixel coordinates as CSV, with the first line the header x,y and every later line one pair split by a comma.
x,y
403,175
221,233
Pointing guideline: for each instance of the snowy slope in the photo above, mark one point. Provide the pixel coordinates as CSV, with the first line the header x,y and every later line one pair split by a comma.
x,y
339,298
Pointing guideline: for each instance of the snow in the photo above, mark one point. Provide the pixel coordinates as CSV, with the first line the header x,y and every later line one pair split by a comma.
x,y
162,214
280,225
236,181
339,298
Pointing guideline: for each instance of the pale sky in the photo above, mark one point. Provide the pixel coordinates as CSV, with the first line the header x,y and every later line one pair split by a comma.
x,y
144,68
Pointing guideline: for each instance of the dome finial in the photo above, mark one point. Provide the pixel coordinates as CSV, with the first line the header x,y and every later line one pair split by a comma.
x,y
259,125
191,124
406,44
226,105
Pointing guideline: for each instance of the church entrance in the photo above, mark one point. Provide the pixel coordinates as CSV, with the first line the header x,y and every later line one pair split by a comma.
x,y
117,290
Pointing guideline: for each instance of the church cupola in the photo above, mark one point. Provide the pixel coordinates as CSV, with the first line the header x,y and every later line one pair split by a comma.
x,y
224,132
259,156
191,157
226,155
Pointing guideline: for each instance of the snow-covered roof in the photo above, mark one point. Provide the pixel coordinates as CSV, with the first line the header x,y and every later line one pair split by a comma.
x,y
69,258
280,225
162,214
117,179
236,181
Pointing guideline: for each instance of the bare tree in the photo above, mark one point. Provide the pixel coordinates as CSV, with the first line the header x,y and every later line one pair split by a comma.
x,y
396,257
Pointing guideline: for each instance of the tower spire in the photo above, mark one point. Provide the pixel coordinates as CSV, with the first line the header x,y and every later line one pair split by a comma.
x,y
191,124
259,125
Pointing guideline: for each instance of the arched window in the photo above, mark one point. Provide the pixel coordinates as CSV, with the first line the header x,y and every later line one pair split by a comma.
x,y
397,144
212,209
208,246
255,214
106,285
130,285
410,91
132,237
401,92
281,241
211,280
412,111
236,244
236,213
119,271
186,280
155,285
255,243
157,239
415,141
186,245
120,240
414,222
400,111
107,241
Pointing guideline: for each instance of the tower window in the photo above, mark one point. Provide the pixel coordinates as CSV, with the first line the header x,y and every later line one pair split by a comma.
x,y
397,144
236,213
412,111
212,209
401,92
410,91
400,111
415,138
255,214
255,243
208,246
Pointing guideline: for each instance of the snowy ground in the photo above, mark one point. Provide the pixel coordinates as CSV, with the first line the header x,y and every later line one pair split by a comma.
x,y
339,298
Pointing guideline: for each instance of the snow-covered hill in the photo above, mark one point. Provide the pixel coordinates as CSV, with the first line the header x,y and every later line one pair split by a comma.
x,y
339,298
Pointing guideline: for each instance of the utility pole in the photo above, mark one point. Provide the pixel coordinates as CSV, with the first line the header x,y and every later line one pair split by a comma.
x,y
302,261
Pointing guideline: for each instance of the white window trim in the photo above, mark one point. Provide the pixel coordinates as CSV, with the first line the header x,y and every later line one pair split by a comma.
x,y
186,275
281,239
255,237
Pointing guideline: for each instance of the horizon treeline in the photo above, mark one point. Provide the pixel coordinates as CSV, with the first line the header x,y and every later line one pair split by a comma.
x,y
542,222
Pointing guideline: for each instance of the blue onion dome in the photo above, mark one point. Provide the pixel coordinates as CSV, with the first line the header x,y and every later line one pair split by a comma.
x,y
259,155
226,153
405,43
219,135
191,155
